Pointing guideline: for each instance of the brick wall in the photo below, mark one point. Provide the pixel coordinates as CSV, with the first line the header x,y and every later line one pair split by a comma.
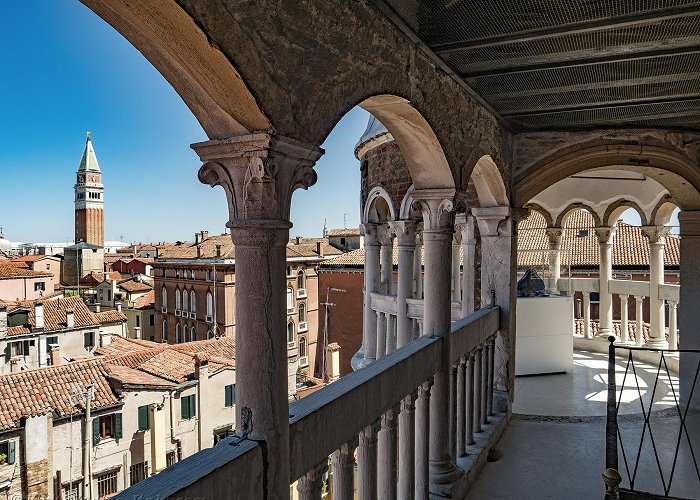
x,y
385,166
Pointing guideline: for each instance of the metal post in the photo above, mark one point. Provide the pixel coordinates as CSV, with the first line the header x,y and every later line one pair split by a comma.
x,y
611,420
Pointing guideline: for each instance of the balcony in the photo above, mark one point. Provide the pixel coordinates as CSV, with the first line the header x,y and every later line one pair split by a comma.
x,y
301,293
302,326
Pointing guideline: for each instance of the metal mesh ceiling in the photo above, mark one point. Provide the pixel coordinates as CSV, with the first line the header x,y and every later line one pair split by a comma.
x,y
557,64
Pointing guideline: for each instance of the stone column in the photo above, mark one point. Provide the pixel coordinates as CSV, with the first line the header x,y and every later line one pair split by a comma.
x,y
367,463
554,238
368,350
639,319
381,335
259,172
469,399
657,317
437,208
421,442
456,281
672,325
476,402
498,251
689,314
624,319
418,263
464,224
390,333
405,231
407,448
605,316
309,485
386,239
343,468
386,459
461,414
586,314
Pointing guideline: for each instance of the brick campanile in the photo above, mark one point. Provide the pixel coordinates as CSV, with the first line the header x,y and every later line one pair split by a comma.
x,y
89,199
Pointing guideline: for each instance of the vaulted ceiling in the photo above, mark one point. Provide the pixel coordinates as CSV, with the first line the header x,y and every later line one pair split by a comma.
x,y
566,64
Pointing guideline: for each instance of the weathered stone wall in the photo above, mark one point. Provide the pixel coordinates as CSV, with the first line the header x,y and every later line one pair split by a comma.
x,y
384,166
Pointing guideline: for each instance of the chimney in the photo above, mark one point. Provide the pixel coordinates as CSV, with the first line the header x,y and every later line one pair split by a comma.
x,y
319,248
201,368
55,356
39,315
199,252
105,338
197,238
218,250
3,321
333,362
205,235
298,238
137,332
119,306
70,318
98,307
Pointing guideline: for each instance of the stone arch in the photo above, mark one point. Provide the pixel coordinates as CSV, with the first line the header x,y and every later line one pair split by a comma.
x,y
617,208
543,212
675,171
408,209
183,54
379,206
661,216
561,218
489,184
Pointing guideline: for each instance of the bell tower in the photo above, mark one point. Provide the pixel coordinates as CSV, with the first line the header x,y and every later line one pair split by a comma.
x,y
89,199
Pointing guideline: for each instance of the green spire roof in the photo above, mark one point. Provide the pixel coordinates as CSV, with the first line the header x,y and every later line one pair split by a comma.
x,y
88,162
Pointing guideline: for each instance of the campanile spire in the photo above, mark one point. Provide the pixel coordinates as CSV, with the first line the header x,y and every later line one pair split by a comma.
x,y
89,198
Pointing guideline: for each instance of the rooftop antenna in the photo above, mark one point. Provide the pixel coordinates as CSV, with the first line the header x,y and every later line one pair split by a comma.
x,y
327,304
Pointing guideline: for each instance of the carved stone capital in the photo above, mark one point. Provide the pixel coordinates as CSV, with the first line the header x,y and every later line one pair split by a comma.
x,y
656,234
437,207
388,420
605,234
408,403
554,236
464,226
490,219
259,172
371,233
405,231
424,389
385,235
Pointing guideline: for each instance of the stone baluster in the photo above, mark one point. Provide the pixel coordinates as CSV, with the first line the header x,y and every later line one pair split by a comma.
x,y
343,468
672,325
422,441
390,333
464,224
372,280
386,459
624,318
452,421
484,383
437,208
407,448
605,315
259,173
639,320
657,314
469,399
405,231
367,463
554,238
586,314
381,334
461,413
309,485
418,263
386,239
491,345
477,390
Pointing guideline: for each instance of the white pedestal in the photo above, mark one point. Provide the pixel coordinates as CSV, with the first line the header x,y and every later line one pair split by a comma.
x,y
544,335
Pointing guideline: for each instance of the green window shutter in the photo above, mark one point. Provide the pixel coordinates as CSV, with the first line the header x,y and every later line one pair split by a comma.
x,y
227,396
11,452
144,418
118,425
86,341
8,352
193,406
25,348
233,394
184,408
95,430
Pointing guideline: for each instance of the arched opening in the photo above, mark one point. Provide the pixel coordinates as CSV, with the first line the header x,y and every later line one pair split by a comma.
x,y
301,280
290,333
178,333
302,312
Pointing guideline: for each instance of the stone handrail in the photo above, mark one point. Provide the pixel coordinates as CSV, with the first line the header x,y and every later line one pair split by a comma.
x,y
578,284
672,293
629,287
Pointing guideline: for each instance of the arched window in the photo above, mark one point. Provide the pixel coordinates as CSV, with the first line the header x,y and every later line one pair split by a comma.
x,y
178,304
164,297
290,333
178,333
185,300
302,347
210,335
210,304
302,312
290,298
165,331
193,302
184,333
301,280
193,334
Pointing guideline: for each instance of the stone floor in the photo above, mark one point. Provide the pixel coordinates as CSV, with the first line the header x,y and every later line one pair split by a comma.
x,y
554,446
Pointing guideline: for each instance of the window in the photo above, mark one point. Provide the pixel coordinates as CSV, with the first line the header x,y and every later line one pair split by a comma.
x,y
302,312
109,295
89,340
230,395
106,483
53,340
302,347
342,241
40,286
138,472
210,304
152,320
193,334
290,333
208,275
8,448
177,300
178,334
223,433
164,297
170,458
106,427
210,335
301,280
188,407
73,491
185,300
13,349
144,418
290,298
138,320
193,302
165,331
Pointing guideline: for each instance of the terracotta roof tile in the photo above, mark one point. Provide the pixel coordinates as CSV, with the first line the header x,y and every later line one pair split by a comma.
x,y
112,316
55,314
352,231
132,285
10,271
145,301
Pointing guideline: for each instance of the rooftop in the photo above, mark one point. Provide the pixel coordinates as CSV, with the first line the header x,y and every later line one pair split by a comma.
x,y
9,271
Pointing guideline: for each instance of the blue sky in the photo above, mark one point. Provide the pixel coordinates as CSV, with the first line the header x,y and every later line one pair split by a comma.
x,y
64,72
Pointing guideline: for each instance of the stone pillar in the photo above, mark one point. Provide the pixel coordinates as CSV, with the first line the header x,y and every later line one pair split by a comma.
x,y
469,399
476,380
386,240
554,238
367,463
368,350
624,319
405,231
309,485
437,208
498,252
343,468
605,316
586,314
672,325
639,319
390,333
456,281
381,335
689,314
657,317
418,263
386,459
259,173
464,224
421,441
407,448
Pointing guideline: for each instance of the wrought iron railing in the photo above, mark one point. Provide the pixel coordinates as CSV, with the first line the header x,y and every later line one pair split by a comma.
x,y
657,441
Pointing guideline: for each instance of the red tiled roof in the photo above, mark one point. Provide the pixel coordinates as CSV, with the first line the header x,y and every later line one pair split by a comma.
x,y
133,286
55,314
10,271
112,316
145,301
352,231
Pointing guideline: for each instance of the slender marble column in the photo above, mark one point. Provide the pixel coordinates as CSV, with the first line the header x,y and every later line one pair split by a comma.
x,y
624,318
657,314
367,463
386,459
259,173
554,238
639,318
418,263
605,315
422,440
491,345
343,468
461,414
405,231
672,325
309,485
456,278
477,390
469,401
484,384
407,448
369,326
390,333
381,335
386,239
464,224
586,314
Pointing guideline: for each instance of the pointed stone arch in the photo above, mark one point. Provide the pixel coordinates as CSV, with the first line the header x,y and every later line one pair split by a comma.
x,y
661,216
379,206
489,184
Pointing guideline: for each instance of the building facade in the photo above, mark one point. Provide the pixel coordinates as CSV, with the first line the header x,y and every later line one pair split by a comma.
x,y
24,284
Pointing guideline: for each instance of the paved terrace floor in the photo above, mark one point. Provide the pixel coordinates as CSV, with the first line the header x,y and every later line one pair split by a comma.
x,y
554,447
